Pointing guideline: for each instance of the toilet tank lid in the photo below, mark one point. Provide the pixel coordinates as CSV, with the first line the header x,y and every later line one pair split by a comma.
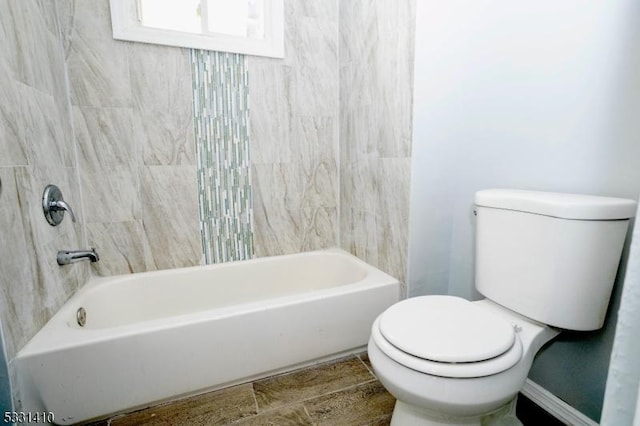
x,y
561,205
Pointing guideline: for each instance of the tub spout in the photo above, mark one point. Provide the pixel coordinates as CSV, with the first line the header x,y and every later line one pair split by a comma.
x,y
66,256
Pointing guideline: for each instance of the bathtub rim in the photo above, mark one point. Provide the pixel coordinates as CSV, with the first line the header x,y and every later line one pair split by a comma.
x,y
57,334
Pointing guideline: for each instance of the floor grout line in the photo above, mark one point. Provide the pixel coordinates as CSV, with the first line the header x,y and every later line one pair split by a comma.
x,y
356,356
304,408
366,365
302,401
255,398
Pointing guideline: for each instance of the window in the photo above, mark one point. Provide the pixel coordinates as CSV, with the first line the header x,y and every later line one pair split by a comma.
x,y
254,27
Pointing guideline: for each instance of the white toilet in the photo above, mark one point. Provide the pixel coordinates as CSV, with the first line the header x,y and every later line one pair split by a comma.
x,y
544,262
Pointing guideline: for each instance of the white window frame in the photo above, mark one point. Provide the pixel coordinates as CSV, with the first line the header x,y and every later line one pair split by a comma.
x,y
126,26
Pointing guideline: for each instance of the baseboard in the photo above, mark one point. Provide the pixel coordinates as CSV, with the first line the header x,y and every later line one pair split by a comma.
x,y
555,406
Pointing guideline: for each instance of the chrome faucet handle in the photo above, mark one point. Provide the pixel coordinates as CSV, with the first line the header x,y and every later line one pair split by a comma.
x,y
62,205
54,206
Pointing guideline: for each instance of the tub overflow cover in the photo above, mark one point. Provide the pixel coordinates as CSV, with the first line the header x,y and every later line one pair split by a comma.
x,y
81,316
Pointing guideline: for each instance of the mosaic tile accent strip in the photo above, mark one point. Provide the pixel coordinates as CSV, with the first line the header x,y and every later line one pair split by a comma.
x,y
221,116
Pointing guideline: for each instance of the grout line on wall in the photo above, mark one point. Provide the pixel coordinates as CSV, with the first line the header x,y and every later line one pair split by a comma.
x,y
67,83
336,130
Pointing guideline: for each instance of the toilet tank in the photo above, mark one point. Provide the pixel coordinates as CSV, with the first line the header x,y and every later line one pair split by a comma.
x,y
548,256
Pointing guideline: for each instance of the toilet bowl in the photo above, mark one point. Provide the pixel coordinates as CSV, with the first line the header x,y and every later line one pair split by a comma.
x,y
544,262
461,392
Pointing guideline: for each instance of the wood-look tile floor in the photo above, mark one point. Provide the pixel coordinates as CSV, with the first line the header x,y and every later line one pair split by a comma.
x,y
336,393
341,392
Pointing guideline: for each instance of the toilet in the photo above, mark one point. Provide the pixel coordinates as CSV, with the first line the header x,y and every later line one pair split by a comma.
x,y
544,262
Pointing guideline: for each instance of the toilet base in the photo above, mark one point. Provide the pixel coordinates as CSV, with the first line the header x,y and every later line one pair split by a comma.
x,y
409,415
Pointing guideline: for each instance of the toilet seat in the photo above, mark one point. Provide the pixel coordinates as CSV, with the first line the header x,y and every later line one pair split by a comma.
x,y
447,336
446,329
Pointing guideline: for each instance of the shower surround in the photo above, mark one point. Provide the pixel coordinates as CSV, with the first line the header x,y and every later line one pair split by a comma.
x,y
118,117
330,140
139,102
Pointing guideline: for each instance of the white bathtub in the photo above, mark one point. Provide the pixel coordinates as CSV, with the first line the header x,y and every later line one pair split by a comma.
x,y
155,336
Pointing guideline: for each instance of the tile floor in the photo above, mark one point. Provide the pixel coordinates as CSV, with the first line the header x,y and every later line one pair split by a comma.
x,y
341,392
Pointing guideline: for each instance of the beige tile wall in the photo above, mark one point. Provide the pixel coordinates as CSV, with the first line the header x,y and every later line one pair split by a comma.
x,y
330,145
376,86
133,113
294,145
36,148
134,127
330,136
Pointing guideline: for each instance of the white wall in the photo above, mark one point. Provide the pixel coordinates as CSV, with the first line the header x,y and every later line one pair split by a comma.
x,y
536,95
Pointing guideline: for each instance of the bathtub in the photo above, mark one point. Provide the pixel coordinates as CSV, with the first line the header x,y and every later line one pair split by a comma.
x,y
156,336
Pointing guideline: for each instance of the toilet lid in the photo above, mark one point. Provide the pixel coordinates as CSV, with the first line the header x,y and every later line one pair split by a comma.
x,y
462,370
446,329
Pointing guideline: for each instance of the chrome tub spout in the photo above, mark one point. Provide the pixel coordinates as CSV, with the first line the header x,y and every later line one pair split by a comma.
x,y
69,256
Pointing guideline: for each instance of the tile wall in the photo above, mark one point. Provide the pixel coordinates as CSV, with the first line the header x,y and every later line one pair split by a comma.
x,y
132,112
221,114
329,127
376,89
294,138
132,106
36,148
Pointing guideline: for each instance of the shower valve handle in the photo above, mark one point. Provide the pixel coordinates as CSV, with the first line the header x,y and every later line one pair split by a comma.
x,y
54,206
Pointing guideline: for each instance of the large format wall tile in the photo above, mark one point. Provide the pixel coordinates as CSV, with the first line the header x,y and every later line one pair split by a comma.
x,y
33,52
37,149
110,157
99,73
18,276
313,55
160,77
40,286
394,175
277,189
316,150
161,86
170,215
43,130
88,18
105,138
12,143
8,43
111,195
294,119
165,137
270,108
131,109
376,67
124,244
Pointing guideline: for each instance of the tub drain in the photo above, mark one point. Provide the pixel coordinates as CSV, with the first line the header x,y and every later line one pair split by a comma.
x,y
81,316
